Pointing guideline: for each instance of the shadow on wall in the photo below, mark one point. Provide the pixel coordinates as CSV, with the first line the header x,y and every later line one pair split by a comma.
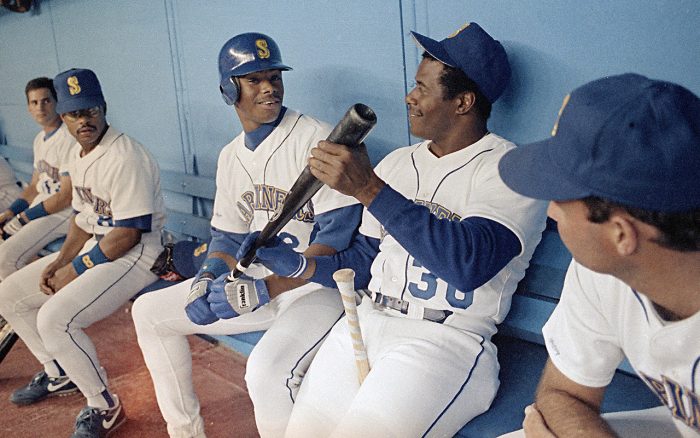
x,y
528,107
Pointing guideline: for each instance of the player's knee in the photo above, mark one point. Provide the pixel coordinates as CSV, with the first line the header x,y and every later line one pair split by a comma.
x,y
10,300
142,312
51,321
265,373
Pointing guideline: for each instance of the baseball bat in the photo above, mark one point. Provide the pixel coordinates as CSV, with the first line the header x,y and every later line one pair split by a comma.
x,y
345,279
8,337
351,130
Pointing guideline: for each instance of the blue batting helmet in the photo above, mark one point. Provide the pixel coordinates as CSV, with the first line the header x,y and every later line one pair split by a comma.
x,y
243,54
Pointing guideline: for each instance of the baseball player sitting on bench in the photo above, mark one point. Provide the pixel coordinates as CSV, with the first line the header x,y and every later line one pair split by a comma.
x,y
254,173
449,242
621,169
41,214
113,240
9,189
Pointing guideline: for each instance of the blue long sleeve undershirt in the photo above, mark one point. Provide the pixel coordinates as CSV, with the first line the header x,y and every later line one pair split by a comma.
x,y
465,254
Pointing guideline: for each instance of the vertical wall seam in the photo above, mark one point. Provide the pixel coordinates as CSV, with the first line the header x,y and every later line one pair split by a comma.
x,y
180,91
53,34
405,72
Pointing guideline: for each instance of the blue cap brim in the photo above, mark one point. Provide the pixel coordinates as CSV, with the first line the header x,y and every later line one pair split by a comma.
x,y
434,48
79,103
529,170
244,70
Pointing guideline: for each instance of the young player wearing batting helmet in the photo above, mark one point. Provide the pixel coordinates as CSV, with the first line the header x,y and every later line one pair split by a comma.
x,y
41,213
447,242
621,171
113,240
255,171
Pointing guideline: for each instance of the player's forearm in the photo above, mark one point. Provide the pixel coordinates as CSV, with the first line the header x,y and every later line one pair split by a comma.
x,y
119,241
570,417
75,240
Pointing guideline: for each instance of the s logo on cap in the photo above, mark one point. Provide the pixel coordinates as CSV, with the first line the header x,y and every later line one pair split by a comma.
x,y
73,85
263,51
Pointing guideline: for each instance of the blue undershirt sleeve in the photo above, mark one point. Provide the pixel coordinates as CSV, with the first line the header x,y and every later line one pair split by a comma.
x,y
335,228
226,242
358,257
466,254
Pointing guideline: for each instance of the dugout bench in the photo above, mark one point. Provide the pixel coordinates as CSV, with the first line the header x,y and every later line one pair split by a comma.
x,y
520,343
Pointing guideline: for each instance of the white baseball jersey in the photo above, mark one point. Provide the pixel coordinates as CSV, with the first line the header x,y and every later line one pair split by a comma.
x,y
52,158
9,190
426,378
463,184
600,320
252,185
117,180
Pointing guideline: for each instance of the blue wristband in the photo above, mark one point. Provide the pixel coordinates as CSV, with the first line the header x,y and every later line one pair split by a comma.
x,y
214,266
90,259
36,212
19,206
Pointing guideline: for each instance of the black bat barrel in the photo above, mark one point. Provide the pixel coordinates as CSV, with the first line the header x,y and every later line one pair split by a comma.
x,y
351,130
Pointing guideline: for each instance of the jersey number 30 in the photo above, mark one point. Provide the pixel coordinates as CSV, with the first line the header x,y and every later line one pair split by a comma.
x,y
429,284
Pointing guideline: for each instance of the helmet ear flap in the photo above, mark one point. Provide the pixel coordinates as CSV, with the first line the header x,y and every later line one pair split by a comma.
x,y
230,90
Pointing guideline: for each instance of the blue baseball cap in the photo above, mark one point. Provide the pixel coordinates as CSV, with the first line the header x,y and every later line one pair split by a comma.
x,y
627,138
476,53
77,89
189,256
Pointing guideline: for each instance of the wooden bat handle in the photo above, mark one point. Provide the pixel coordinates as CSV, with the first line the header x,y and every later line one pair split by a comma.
x,y
345,279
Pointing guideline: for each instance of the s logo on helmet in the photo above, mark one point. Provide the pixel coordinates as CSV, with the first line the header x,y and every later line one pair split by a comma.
x,y
263,51
73,85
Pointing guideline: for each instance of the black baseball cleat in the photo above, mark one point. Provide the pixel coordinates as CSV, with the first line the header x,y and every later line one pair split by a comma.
x,y
95,423
42,386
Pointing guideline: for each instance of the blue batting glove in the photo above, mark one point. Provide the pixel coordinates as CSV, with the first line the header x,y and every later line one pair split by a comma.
x,y
197,306
277,255
229,299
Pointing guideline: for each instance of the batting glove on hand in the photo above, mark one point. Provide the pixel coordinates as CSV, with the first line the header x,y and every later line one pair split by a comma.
x,y
229,299
277,255
197,306
14,225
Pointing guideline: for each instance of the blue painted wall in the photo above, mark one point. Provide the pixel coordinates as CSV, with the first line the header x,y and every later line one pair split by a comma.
x,y
157,59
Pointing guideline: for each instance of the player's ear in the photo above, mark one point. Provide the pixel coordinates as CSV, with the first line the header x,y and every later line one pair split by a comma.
x,y
465,101
625,234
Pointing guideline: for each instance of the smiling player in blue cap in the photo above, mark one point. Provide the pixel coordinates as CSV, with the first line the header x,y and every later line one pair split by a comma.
x,y
621,171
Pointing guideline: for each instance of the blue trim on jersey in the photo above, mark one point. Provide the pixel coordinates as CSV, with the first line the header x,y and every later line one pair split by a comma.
x,y
50,134
358,256
692,375
66,173
142,223
253,138
226,242
466,254
336,227
461,388
36,212
641,303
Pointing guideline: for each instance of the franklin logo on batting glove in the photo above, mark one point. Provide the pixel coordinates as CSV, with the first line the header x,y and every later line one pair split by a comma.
x,y
229,299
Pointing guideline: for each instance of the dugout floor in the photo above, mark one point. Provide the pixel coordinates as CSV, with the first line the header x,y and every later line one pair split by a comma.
x,y
218,377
